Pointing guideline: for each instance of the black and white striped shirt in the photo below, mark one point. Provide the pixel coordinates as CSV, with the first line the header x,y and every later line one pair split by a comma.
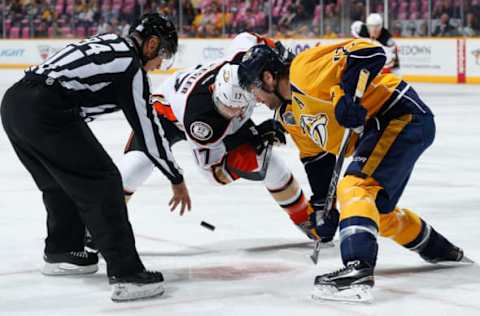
x,y
104,74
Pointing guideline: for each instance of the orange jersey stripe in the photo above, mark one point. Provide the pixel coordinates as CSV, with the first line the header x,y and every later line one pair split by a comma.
x,y
165,111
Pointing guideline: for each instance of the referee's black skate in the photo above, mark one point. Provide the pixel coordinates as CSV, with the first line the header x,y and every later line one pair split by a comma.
x,y
137,286
352,283
90,245
70,263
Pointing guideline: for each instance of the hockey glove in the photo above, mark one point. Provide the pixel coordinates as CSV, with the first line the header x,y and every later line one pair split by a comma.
x,y
257,136
247,134
319,225
350,114
272,131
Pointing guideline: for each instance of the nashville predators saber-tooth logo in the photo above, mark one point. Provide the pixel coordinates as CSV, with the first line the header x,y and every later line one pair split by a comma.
x,y
316,127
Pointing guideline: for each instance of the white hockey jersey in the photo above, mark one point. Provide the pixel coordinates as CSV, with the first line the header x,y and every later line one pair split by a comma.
x,y
189,94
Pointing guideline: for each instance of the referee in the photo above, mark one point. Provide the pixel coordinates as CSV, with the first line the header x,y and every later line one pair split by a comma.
x,y
44,117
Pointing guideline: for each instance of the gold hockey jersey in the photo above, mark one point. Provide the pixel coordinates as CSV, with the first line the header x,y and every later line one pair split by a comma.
x,y
320,76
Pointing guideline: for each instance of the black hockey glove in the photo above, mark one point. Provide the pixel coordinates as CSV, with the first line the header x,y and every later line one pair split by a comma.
x,y
257,136
323,225
272,131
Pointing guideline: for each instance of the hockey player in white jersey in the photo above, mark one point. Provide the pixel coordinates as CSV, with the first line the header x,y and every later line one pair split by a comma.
x,y
208,104
374,30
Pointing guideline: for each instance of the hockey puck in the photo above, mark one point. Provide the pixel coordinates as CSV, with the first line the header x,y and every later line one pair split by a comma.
x,y
208,226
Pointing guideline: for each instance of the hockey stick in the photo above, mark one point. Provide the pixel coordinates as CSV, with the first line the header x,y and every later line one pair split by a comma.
x,y
260,174
332,188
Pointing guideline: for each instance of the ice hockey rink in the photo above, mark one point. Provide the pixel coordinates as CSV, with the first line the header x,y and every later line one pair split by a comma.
x,y
255,262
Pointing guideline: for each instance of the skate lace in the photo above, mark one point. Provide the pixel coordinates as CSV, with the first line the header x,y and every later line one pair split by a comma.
x,y
341,270
338,272
153,273
80,254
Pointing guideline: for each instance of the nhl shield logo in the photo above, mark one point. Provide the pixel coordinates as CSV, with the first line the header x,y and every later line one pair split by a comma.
x,y
316,127
288,118
44,51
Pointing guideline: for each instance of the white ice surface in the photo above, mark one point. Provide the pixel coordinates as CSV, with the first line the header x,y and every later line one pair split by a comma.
x,y
255,262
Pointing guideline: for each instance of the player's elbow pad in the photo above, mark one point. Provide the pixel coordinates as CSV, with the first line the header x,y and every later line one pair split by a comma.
x,y
373,59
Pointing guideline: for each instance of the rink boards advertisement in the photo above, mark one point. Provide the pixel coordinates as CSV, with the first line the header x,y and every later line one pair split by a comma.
x,y
472,53
192,52
24,53
422,60
431,60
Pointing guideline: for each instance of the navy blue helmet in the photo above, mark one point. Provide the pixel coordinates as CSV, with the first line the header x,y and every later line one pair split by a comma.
x,y
262,58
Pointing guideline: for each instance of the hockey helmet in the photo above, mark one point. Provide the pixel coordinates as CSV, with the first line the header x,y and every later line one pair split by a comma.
x,y
374,19
227,91
155,24
262,58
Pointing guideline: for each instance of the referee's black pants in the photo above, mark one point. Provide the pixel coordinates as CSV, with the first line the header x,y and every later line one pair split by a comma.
x,y
81,186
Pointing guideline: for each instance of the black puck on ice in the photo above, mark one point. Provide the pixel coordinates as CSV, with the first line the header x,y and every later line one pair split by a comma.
x,y
208,226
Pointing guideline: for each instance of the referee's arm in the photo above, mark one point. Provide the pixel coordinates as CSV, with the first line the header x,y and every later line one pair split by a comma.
x,y
134,100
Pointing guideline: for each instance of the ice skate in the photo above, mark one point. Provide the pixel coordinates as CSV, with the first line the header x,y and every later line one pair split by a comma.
x,y
353,283
138,286
438,249
70,263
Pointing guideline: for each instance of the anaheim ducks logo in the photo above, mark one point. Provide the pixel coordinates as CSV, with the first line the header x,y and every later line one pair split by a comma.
x,y
316,127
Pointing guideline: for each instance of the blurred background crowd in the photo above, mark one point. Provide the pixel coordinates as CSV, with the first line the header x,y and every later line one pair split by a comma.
x,y
223,18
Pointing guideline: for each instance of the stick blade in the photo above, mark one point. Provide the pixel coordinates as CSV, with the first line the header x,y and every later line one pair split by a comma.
x,y
316,252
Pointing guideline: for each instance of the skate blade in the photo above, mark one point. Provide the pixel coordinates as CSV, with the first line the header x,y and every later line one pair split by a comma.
x,y
355,294
466,260
63,268
125,292
316,249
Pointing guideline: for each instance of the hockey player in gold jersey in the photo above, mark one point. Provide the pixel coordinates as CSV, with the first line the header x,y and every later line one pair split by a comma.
x,y
392,128
315,161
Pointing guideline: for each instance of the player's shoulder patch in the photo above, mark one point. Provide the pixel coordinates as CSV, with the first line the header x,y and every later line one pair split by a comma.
x,y
200,130
202,122
288,118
